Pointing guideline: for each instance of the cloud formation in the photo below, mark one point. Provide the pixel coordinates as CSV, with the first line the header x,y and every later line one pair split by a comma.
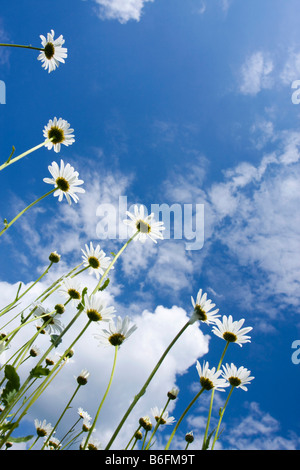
x,y
255,73
121,10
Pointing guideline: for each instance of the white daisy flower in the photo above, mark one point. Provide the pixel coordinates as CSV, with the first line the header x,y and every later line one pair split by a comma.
x,y
173,393
54,443
83,377
84,414
145,422
202,309
86,425
145,226
42,428
117,333
53,52
34,351
237,377
232,331
59,132
93,444
39,310
189,437
50,324
65,179
95,258
71,288
96,310
162,417
209,378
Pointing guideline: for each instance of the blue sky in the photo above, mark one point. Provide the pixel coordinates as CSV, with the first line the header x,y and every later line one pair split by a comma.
x,y
184,102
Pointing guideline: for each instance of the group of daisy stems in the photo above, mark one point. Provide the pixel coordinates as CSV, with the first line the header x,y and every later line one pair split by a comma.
x,y
16,399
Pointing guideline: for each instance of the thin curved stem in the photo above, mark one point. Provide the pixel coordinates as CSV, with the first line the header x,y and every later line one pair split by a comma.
x,y
182,416
212,399
143,389
25,210
23,47
61,416
221,417
46,381
24,154
103,399
113,262
18,297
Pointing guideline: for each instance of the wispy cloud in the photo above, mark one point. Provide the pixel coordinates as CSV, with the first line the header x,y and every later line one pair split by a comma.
x,y
121,10
253,213
259,430
4,38
255,73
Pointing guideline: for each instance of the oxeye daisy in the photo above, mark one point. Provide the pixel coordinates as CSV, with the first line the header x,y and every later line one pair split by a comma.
x,y
83,377
65,179
42,428
145,422
54,443
237,377
50,324
93,444
34,351
58,132
232,331
96,260
84,414
173,393
209,378
117,333
96,310
53,52
202,309
162,417
146,226
71,289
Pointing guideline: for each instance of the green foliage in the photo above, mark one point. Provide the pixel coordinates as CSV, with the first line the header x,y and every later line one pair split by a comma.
x,y
12,384
39,371
104,285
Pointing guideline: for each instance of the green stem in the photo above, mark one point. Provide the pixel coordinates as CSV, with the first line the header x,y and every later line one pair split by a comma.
x,y
61,416
133,445
34,442
7,410
221,417
25,210
212,399
13,160
132,437
44,384
70,430
103,399
182,416
113,262
143,389
8,307
23,47
144,441
72,440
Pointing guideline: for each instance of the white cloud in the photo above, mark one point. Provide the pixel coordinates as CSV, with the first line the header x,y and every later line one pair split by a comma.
x,y
260,431
225,4
255,74
4,38
136,359
291,69
121,10
254,212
